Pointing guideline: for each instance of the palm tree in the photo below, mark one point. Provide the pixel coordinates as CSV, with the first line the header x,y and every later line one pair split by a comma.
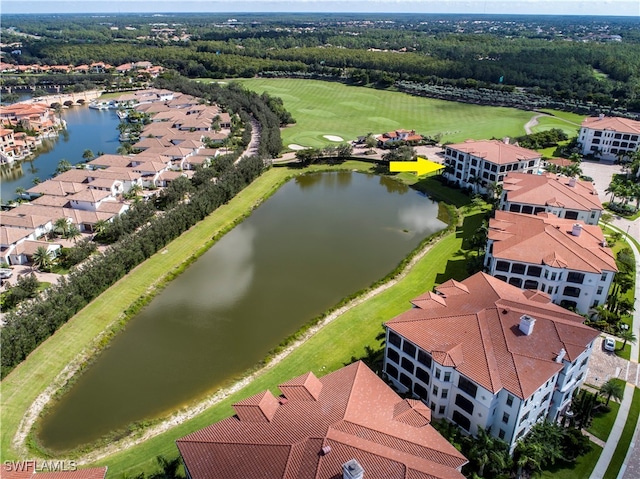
x,y
73,233
528,456
41,259
489,451
61,226
628,337
88,155
63,165
100,226
612,389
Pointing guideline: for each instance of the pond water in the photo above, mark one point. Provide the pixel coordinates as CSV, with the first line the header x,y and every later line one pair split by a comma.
x,y
96,130
320,238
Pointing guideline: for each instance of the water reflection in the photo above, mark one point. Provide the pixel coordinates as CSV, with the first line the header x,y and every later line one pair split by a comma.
x,y
417,219
393,186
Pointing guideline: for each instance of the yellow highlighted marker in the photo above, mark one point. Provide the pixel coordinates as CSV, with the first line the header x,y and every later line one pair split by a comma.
x,y
421,167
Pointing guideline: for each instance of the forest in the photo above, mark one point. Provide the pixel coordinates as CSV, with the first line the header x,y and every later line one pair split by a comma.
x,y
571,60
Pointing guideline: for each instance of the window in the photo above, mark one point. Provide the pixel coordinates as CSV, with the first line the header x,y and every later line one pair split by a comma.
x,y
424,358
509,400
461,420
599,290
574,277
394,339
546,396
392,371
502,266
524,418
433,406
535,271
501,434
420,390
422,375
571,291
538,209
532,162
444,394
467,386
526,209
435,390
447,376
521,433
406,381
464,404
530,284
517,282
409,349
392,355
505,417
518,268
571,215
407,365
441,410
603,277
437,374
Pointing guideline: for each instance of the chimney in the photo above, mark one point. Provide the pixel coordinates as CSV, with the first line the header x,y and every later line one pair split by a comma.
x,y
561,355
572,182
526,324
577,229
325,450
352,470
505,140
601,116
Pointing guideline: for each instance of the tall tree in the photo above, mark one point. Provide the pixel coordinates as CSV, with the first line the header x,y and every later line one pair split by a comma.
x,y
612,389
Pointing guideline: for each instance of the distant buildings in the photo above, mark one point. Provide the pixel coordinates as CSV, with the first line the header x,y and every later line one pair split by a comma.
x,y
609,138
485,354
564,197
483,163
569,261
348,424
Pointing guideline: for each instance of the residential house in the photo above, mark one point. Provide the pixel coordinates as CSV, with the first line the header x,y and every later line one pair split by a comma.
x,y
564,197
483,164
348,424
485,354
568,260
609,138
397,136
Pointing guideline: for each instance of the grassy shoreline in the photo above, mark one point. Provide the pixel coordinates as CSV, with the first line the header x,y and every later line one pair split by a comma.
x,y
29,379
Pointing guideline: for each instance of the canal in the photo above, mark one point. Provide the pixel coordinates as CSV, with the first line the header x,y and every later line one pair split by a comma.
x,y
318,239
96,130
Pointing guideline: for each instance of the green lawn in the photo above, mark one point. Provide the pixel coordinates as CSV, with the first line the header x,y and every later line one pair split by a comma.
x,y
603,421
580,470
548,122
331,108
624,353
625,438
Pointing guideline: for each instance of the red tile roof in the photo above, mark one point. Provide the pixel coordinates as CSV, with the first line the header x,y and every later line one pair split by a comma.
x,y
478,333
551,190
622,125
495,151
547,239
319,425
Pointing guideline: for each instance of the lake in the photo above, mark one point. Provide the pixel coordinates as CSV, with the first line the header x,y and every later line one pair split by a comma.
x,y
319,238
96,130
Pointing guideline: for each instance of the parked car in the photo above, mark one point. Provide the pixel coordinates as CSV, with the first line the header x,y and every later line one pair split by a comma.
x,y
5,273
609,344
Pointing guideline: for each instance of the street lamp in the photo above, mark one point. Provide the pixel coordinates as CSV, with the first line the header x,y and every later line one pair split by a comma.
x,y
628,228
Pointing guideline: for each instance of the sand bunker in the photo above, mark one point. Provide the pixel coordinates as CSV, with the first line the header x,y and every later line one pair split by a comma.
x,y
295,147
333,138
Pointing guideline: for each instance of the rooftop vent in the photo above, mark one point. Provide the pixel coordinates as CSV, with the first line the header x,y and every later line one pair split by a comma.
x,y
561,355
526,324
325,450
603,243
352,470
572,182
577,229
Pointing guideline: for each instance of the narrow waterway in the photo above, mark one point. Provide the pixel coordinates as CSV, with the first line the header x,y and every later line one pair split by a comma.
x,y
87,129
318,239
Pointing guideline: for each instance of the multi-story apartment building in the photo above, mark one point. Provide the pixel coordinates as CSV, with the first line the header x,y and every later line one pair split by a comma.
x,y
609,138
484,163
570,261
484,354
564,197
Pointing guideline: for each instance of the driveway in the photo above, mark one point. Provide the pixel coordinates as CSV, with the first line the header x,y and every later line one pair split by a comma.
x,y
605,365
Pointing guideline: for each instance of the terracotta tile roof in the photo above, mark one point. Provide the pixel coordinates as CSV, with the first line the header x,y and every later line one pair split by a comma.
x,y
622,125
350,413
547,239
10,235
552,190
479,332
495,151
91,195
57,188
51,200
106,161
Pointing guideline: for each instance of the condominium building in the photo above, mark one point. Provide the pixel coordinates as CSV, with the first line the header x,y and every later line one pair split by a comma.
x,y
564,197
485,354
569,261
609,138
483,164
